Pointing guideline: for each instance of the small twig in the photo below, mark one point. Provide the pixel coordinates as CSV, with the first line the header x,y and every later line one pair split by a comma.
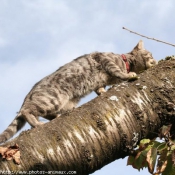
x,y
149,37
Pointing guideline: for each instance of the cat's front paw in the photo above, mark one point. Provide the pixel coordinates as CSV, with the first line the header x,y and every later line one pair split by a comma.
x,y
132,76
100,91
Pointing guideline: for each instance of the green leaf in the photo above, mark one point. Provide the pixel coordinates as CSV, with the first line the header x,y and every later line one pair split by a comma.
x,y
151,159
144,141
138,161
144,144
173,157
170,168
161,147
162,161
131,160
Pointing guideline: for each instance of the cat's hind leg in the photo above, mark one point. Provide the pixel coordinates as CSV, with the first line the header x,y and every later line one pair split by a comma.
x,y
30,118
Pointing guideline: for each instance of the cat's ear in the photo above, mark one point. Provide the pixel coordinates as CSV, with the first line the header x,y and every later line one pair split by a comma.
x,y
139,46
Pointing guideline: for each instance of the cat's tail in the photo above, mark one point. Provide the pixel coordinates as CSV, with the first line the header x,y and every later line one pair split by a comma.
x,y
13,128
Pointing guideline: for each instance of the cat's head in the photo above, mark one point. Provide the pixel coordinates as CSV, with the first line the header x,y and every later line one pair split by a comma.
x,y
143,59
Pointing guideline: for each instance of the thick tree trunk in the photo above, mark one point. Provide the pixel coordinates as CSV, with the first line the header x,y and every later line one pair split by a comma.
x,y
103,130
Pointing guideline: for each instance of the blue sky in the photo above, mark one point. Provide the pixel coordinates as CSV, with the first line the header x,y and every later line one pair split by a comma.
x,y
39,36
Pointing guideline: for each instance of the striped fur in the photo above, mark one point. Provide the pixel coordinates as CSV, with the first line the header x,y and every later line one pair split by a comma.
x,y
62,90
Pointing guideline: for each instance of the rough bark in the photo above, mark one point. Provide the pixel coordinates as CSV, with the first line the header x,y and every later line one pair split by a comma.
x,y
103,129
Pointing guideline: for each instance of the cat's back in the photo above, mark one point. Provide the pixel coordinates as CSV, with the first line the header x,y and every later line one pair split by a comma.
x,y
75,69
80,64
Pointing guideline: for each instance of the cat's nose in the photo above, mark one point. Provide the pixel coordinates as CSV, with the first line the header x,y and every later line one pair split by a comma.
x,y
153,62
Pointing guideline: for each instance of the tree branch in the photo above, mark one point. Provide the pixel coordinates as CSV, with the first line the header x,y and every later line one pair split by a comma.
x,y
149,37
102,130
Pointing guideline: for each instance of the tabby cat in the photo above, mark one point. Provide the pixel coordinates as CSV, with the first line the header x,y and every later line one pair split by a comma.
x,y
62,90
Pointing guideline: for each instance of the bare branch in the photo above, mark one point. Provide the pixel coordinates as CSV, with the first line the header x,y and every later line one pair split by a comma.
x,y
149,37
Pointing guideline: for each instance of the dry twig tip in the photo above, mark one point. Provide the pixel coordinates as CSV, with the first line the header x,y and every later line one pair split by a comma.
x,y
149,37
